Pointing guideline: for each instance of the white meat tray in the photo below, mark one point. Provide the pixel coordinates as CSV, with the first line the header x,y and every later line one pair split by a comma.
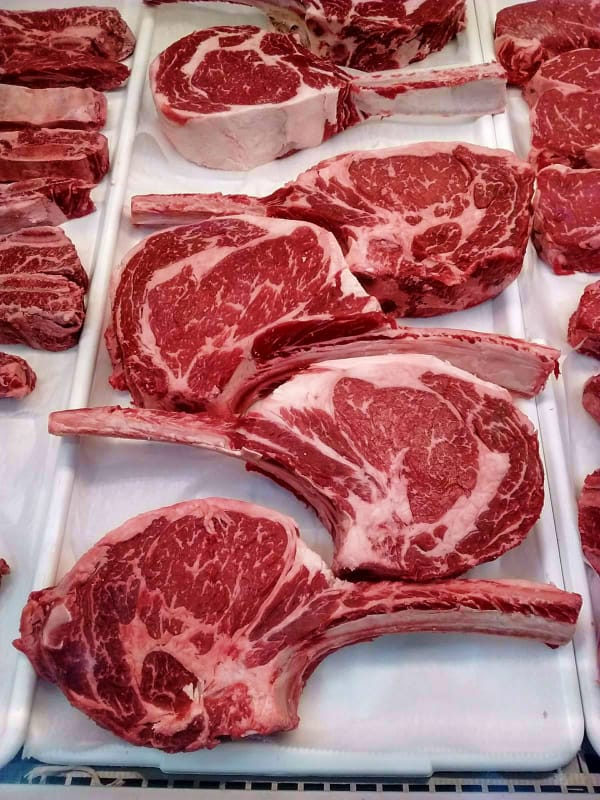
x,y
28,456
571,437
403,705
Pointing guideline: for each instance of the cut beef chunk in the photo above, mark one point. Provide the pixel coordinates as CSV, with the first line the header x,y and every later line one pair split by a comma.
x,y
227,613
45,67
591,397
589,519
576,69
17,380
101,31
42,311
418,470
4,569
429,228
70,107
527,34
562,131
566,219
584,325
290,98
192,303
45,251
43,201
366,36
53,153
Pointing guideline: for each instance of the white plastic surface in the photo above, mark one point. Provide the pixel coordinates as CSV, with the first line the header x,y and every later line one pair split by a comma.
x,y
400,705
571,437
28,455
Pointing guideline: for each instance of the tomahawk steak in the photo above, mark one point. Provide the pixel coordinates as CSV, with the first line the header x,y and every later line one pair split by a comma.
x,y
527,34
68,107
563,130
591,397
46,67
567,72
53,153
418,469
566,218
226,615
43,201
584,325
17,380
589,519
366,36
98,30
290,98
426,228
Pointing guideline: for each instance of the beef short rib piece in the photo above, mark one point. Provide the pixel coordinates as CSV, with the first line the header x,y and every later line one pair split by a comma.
x,y
53,153
192,304
584,325
591,397
17,380
43,201
418,470
567,72
46,67
70,107
428,228
290,98
226,615
566,219
589,519
101,31
527,34
561,131
45,251
366,36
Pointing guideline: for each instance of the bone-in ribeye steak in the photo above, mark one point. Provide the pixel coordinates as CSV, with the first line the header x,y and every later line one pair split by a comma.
x,y
567,72
43,201
102,31
417,469
53,153
42,288
428,228
566,218
591,397
68,107
527,34
45,67
17,379
290,98
231,613
584,325
589,519
367,36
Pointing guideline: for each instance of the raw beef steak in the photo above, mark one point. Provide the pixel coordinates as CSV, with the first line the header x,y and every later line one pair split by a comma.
x,y
563,130
290,98
591,397
227,613
589,519
17,380
4,569
584,325
102,31
51,108
53,153
366,36
527,34
191,305
43,201
43,250
566,218
418,470
46,67
567,72
428,228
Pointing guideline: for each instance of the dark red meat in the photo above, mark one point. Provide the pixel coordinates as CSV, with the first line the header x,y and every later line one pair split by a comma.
x,y
17,380
584,325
